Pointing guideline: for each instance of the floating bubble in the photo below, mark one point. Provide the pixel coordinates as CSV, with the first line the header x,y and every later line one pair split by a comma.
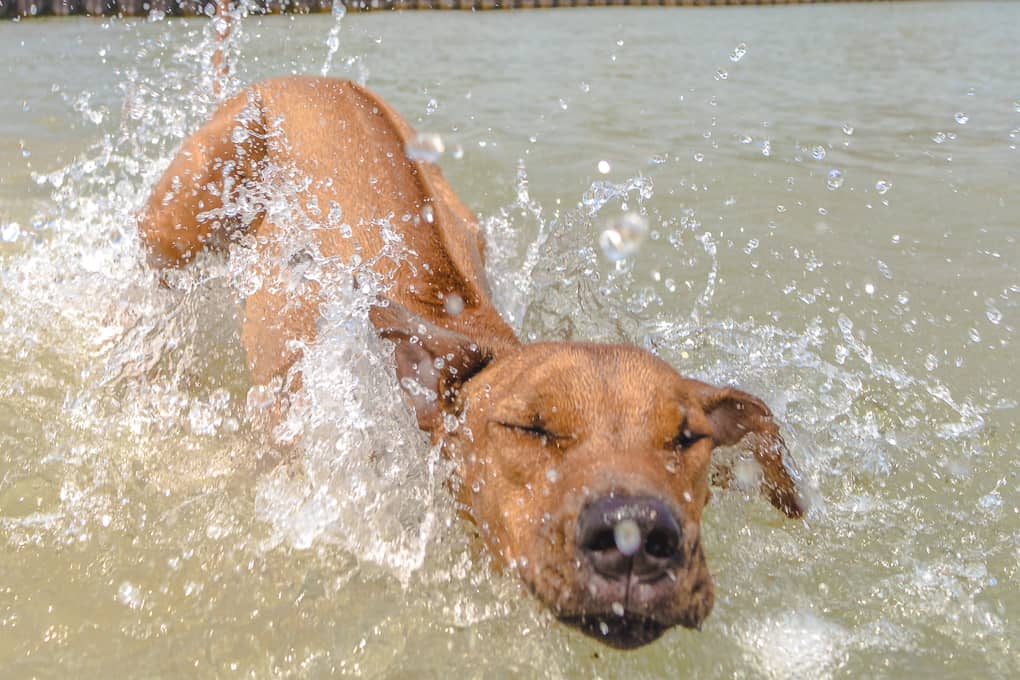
x,y
453,304
721,75
818,152
426,146
869,288
604,167
617,608
457,152
834,180
738,52
552,475
961,118
428,213
883,186
848,129
623,236
766,148
699,157
627,536
9,232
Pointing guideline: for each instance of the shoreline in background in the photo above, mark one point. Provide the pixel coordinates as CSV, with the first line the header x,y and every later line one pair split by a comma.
x,y
16,9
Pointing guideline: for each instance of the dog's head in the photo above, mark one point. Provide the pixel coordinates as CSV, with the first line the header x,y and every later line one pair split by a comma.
x,y
586,468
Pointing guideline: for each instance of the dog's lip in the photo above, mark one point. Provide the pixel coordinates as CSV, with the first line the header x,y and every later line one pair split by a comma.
x,y
629,631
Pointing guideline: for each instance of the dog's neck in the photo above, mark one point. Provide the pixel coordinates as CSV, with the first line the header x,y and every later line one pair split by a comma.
x,y
444,281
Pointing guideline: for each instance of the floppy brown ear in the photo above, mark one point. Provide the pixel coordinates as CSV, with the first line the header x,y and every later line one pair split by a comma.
x,y
432,362
734,415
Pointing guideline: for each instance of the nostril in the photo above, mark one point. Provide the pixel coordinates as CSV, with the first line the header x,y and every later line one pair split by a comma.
x,y
662,542
600,540
627,534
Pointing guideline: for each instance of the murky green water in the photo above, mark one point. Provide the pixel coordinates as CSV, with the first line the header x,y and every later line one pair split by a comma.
x,y
834,215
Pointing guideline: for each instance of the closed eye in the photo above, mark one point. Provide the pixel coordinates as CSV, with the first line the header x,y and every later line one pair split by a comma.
x,y
686,438
532,429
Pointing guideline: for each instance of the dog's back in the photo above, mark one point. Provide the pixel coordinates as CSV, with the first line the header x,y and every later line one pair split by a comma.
x,y
347,150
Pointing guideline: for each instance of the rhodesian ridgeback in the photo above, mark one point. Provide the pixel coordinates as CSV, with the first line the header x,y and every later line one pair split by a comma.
x,y
584,466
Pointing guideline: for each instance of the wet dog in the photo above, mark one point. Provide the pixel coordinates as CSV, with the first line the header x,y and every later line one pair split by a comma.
x,y
584,466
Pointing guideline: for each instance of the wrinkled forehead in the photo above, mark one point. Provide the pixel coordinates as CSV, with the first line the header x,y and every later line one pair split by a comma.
x,y
616,379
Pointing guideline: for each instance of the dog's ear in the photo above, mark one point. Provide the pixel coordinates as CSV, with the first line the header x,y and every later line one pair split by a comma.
x,y
734,415
432,362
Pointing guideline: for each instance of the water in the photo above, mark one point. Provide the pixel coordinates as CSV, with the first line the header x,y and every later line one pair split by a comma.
x,y
146,522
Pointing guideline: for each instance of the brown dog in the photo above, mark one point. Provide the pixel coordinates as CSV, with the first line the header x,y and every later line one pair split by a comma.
x,y
584,466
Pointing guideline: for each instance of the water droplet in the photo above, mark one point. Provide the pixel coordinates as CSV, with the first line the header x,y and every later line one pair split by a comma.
x,y
260,397
992,312
939,138
431,107
9,232
883,186
738,52
818,152
990,501
130,595
426,146
623,236
745,139
766,148
698,157
961,118
453,304
834,179
848,129
869,288
604,167
627,536
617,608
721,75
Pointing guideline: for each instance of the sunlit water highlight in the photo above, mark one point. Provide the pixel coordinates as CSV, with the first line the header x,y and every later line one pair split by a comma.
x,y
831,224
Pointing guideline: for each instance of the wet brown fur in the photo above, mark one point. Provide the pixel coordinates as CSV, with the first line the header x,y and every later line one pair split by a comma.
x,y
541,428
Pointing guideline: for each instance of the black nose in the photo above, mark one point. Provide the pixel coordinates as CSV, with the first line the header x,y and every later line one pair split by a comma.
x,y
623,535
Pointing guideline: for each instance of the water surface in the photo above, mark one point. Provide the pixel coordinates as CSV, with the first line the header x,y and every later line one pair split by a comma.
x,y
831,192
